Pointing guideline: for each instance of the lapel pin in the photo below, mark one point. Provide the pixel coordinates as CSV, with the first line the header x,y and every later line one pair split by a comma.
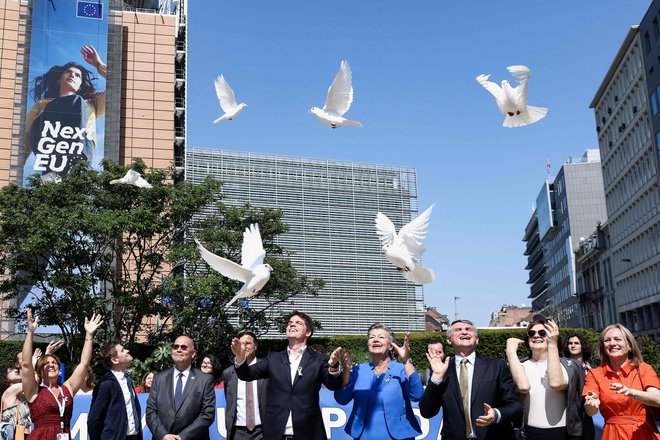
x,y
388,379
299,371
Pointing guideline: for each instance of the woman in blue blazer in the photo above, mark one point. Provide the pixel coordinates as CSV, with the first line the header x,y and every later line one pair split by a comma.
x,y
382,390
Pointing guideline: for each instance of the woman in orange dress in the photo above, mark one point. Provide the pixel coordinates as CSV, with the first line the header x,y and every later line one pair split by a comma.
x,y
622,387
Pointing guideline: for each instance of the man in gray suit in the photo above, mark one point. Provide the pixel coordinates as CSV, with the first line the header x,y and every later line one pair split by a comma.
x,y
246,401
181,404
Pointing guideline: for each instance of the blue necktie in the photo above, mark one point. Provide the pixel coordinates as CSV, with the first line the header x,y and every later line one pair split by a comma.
x,y
131,390
178,391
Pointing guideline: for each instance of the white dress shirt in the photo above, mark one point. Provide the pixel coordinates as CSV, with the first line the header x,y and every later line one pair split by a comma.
x,y
241,419
128,401
294,362
184,379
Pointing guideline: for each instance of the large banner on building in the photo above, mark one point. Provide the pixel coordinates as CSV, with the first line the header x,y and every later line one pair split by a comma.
x,y
66,92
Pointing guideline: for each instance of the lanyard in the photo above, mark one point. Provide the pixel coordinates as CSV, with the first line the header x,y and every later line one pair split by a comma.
x,y
61,406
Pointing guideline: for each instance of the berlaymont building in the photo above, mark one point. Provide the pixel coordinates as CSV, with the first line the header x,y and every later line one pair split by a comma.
x,y
330,207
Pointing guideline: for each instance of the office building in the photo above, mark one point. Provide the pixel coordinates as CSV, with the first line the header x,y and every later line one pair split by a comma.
x,y
330,208
140,110
626,110
565,210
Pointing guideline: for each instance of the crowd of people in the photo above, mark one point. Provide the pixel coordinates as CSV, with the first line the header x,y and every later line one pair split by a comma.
x,y
551,395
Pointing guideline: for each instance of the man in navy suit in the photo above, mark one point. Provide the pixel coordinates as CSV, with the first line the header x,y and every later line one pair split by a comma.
x,y
115,410
477,394
296,375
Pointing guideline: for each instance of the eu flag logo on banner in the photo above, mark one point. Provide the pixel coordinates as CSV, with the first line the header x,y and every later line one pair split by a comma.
x,y
93,9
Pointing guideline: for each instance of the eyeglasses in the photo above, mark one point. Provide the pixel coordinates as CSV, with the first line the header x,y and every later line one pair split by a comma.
x,y
182,347
542,333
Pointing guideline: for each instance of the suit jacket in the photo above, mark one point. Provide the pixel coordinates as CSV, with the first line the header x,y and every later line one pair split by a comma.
x,y
300,398
231,390
195,413
107,418
396,393
491,383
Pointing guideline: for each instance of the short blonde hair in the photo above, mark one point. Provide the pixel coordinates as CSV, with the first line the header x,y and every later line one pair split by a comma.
x,y
634,355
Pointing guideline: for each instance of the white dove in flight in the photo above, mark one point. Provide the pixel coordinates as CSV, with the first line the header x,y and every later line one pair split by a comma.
x,y
252,271
227,100
512,101
134,178
338,100
404,249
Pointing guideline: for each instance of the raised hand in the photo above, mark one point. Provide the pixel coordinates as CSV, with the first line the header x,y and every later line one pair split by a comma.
x,y
54,345
404,350
512,344
93,323
36,355
438,366
238,348
553,331
487,418
32,323
335,357
592,400
91,56
347,359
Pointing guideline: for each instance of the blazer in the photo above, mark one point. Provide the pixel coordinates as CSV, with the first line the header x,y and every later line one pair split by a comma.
x,y
231,391
396,393
107,418
195,413
491,383
300,398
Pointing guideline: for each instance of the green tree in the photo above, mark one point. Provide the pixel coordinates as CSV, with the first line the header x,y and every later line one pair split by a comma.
x,y
85,245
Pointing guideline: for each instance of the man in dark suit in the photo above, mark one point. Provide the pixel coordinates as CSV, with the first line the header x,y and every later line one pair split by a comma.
x,y
296,375
246,401
181,404
477,394
115,410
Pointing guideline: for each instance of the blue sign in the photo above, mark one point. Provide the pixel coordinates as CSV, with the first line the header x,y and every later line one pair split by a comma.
x,y
335,417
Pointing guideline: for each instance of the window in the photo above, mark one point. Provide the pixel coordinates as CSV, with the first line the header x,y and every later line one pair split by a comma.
x,y
647,43
654,103
656,29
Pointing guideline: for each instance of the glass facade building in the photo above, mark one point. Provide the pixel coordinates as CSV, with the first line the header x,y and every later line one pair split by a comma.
x,y
330,208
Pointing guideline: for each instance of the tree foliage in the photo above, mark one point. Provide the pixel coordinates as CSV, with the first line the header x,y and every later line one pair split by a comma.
x,y
84,245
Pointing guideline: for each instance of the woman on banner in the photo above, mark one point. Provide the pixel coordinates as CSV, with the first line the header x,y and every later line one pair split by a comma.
x,y
623,387
381,390
51,405
61,126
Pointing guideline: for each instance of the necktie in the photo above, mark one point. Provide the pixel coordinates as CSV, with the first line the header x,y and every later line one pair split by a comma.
x,y
178,391
466,398
131,390
249,406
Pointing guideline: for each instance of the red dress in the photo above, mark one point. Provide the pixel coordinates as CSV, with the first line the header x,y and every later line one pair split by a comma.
x,y
45,414
625,417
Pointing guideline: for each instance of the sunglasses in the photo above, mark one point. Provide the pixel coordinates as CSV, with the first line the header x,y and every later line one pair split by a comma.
x,y
182,347
542,333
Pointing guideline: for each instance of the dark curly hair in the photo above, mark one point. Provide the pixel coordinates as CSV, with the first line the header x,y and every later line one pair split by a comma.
x,y
48,86
4,369
586,347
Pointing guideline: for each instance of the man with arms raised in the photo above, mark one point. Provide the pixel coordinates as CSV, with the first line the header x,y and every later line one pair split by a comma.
x,y
477,394
296,375
181,404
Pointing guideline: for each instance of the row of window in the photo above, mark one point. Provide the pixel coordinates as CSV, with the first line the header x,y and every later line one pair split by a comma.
x,y
629,147
639,286
644,208
643,247
635,178
628,70
633,107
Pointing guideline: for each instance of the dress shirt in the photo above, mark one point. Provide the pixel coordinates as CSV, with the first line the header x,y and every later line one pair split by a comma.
x,y
241,419
294,362
184,379
128,401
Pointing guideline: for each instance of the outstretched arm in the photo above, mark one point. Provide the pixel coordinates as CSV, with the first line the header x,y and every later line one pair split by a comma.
x,y
77,378
93,58
27,370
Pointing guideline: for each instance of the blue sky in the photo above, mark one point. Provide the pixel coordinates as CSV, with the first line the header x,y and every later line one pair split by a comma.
x,y
414,67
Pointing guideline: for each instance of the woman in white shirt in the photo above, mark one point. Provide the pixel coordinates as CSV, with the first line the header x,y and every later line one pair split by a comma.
x,y
542,380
